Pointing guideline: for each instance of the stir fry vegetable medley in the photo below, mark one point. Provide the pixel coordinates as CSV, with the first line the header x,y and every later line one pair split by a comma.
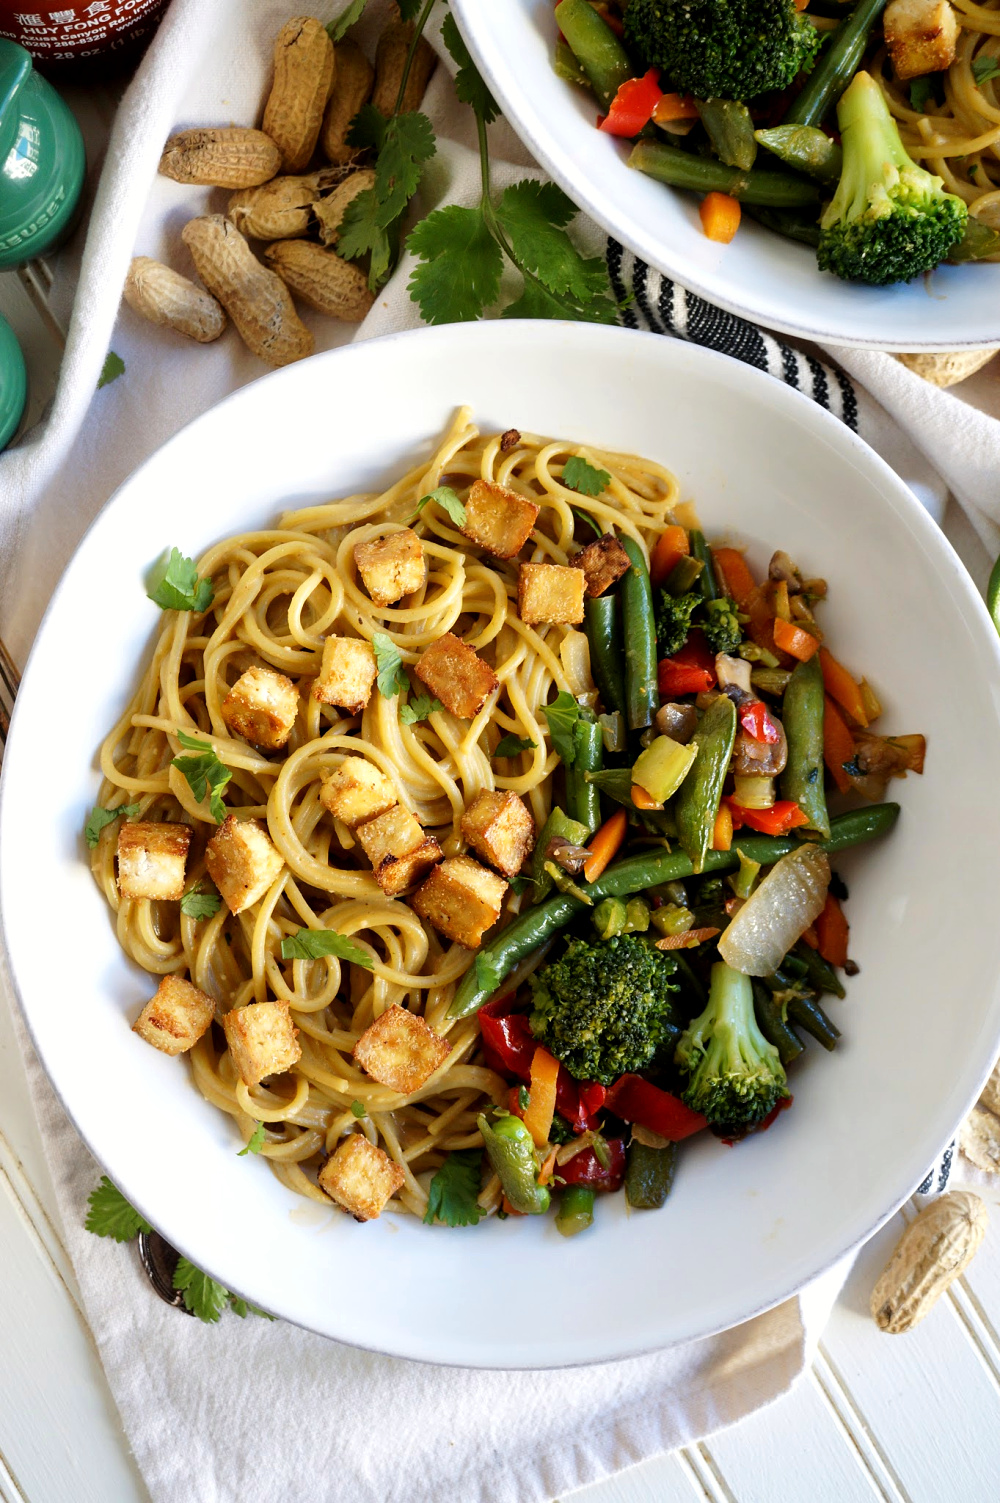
x,y
685,919
764,103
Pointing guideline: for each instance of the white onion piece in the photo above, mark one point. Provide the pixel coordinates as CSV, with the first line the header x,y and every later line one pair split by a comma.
x,y
774,917
574,649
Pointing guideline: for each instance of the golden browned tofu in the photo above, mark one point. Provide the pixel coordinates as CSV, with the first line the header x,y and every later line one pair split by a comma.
x,y
357,791
391,567
461,899
550,593
175,1017
497,519
397,848
261,1039
261,707
602,562
456,675
921,36
360,1177
500,828
151,859
347,674
400,1051
242,862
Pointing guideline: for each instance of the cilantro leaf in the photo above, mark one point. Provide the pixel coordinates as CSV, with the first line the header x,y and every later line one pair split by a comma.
x,y
353,13
358,1110
469,84
113,367
580,476
254,1143
367,128
243,1307
533,216
391,678
407,143
461,263
408,9
985,68
487,977
313,944
111,1215
101,818
455,1189
360,232
449,502
921,90
199,904
562,715
419,707
174,585
512,746
204,773
203,1296
590,521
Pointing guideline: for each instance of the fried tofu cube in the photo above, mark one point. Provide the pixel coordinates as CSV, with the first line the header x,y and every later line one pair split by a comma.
x,y
921,36
175,1017
400,1051
242,862
151,859
456,675
602,563
391,566
261,1039
361,1177
261,707
357,791
347,674
550,593
398,850
497,519
500,828
461,899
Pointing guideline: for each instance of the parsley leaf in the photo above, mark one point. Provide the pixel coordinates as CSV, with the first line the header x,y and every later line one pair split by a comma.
x,y
312,944
101,818
469,84
113,367
460,265
204,773
487,976
353,13
358,1109
512,746
455,1189
391,678
419,707
199,904
174,584
580,476
254,1143
533,216
449,502
111,1215
407,143
562,715
985,68
921,90
203,1296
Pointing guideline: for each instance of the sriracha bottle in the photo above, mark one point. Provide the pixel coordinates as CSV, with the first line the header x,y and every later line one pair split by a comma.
x,y
82,41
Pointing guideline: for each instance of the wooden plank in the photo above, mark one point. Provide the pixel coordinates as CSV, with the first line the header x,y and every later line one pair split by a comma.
x,y
663,1479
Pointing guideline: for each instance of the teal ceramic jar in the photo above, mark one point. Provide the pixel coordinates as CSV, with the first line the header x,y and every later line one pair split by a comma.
x,y
42,161
13,383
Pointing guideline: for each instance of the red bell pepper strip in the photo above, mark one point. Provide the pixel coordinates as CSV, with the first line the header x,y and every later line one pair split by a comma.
x,y
756,721
633,105
584,1168
509,1047
783,816
637,1100
690,671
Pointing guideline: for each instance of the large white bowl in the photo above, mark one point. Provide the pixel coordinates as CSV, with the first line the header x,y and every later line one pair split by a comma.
x,y
744,1227
760,276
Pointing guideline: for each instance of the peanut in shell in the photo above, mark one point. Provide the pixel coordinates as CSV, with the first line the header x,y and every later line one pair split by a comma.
x,y
256,299
979,1140
352,84
303,77
329,210
948,367
990,1097
225,156
935,1248
161,295
282,208
321,279
390,60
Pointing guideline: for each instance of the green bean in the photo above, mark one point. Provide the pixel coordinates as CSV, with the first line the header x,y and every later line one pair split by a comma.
x,y
806,149
637,874
800,225
576,1210
774,1026
641,694
706,579
649,1175
583,801
819,973
681,169
511,1152
836,67
770,680
598,50
610,917
730,129
603,625
683,575
566,64
560,826
810,1016
802,716
701,791
616,782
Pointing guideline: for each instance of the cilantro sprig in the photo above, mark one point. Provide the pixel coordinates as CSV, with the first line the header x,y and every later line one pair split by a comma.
x,y
109,1214
513,746
985,68
255,1142
198,903
454,1190
205,774
174,584
579,475
101,818
449,501
391,678
313,944
419,707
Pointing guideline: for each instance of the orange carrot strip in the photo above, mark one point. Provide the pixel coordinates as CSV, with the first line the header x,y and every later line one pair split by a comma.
x,y
687,940
733,567
832,931
671,545
548,1168
642,800
838,744
793,640
720,216
674,107
508,1208
542,1098
609,838
809,937
722,835
841,686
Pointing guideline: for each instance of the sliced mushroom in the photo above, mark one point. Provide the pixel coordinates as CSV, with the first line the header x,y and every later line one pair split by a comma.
x,y
567,855
679,722
752,758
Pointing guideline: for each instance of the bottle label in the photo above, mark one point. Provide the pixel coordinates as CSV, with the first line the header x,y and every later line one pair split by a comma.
x,y
81,30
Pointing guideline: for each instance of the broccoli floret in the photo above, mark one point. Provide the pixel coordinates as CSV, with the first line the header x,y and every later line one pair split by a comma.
x,y
606,1009
673,620
721,625
722,49
734,1075
889,219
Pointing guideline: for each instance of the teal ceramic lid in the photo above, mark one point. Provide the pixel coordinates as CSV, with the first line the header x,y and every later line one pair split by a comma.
x,y
13,383
42,161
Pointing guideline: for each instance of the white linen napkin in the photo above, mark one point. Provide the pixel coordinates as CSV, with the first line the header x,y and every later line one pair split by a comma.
x,y
263,1411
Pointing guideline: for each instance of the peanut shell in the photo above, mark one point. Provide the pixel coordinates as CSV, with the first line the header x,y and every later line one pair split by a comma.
x,y
161,295
257,301
303,77
390,60
979,1140
225,156
352,84
934,1250
282,208
321,279
990,1098
329,210
948,367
